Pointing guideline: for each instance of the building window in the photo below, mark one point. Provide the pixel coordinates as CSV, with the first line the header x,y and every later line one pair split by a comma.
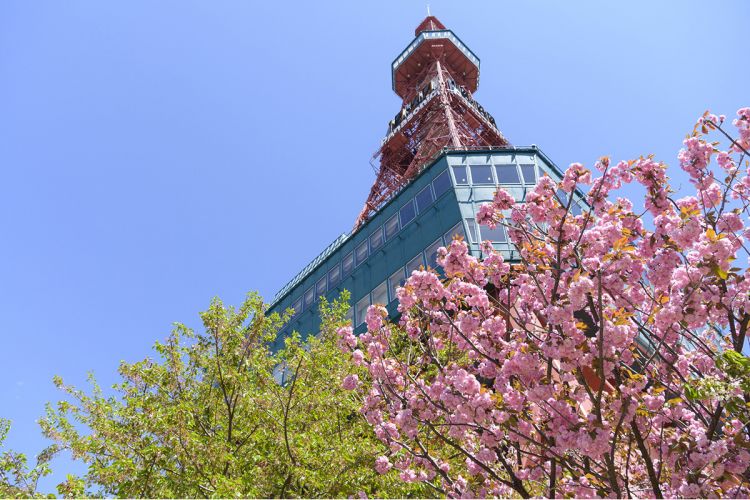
x,y
457,230
481,175
297,306
347,264
349,315
441,183
361,309
507,174
361,252
376,239
334,275
320,287
472,225
414,264
424,199
396,280
431,253
407,213
380,294
460,175
495,235
309,297
391,227
529,174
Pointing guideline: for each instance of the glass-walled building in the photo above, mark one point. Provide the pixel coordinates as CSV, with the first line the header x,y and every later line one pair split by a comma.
x,y
405,233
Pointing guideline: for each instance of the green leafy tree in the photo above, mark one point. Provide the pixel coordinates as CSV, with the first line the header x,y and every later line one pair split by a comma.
x,y
17,479
219,414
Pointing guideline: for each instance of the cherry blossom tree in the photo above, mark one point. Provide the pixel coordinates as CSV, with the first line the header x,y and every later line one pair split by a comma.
x,y
606,360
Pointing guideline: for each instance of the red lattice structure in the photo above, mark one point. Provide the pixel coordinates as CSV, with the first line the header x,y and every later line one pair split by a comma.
x,y
435,76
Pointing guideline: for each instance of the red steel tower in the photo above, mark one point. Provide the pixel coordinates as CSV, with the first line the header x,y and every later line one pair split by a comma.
x,y
435,76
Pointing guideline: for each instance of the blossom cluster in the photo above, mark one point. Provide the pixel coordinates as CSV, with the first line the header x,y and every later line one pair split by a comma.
x,y
580,368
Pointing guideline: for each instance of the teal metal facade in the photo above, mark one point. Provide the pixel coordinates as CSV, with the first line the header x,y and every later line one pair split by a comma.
x,y
405,233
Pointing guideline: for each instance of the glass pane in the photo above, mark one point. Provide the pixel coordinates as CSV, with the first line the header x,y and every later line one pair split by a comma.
x,y
458,229
309,297
350,315
297,306
347,264
441,183
497,234
407,213
380,294
396,280
361,252
361,309
424,199
391,227
472,230
575,209
431,253
562,197
334,275
414,264
507,174
376,239
529,174
481,174
459,173
320,287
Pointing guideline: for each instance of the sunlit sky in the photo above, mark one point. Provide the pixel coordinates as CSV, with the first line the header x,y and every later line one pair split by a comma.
x,y
157,154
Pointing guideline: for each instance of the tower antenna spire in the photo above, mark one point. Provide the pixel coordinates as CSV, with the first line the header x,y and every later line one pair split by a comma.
x,y
428,10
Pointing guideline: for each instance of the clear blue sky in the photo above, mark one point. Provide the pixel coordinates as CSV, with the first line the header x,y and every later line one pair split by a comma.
x,y
157,154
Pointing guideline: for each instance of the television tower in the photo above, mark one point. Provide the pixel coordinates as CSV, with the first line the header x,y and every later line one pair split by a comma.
x,y
435,76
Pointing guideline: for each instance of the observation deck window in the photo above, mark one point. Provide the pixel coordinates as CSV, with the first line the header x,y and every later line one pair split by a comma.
x,y
529,174
507,174
361,309
441,183
407,213
320,287
297,306
396,280
481,175
432,252
472,225
309,297
414,264
424,199
376,239
494,235
460,175
347,264
362,252
391,227
334,275
380,294
457,230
